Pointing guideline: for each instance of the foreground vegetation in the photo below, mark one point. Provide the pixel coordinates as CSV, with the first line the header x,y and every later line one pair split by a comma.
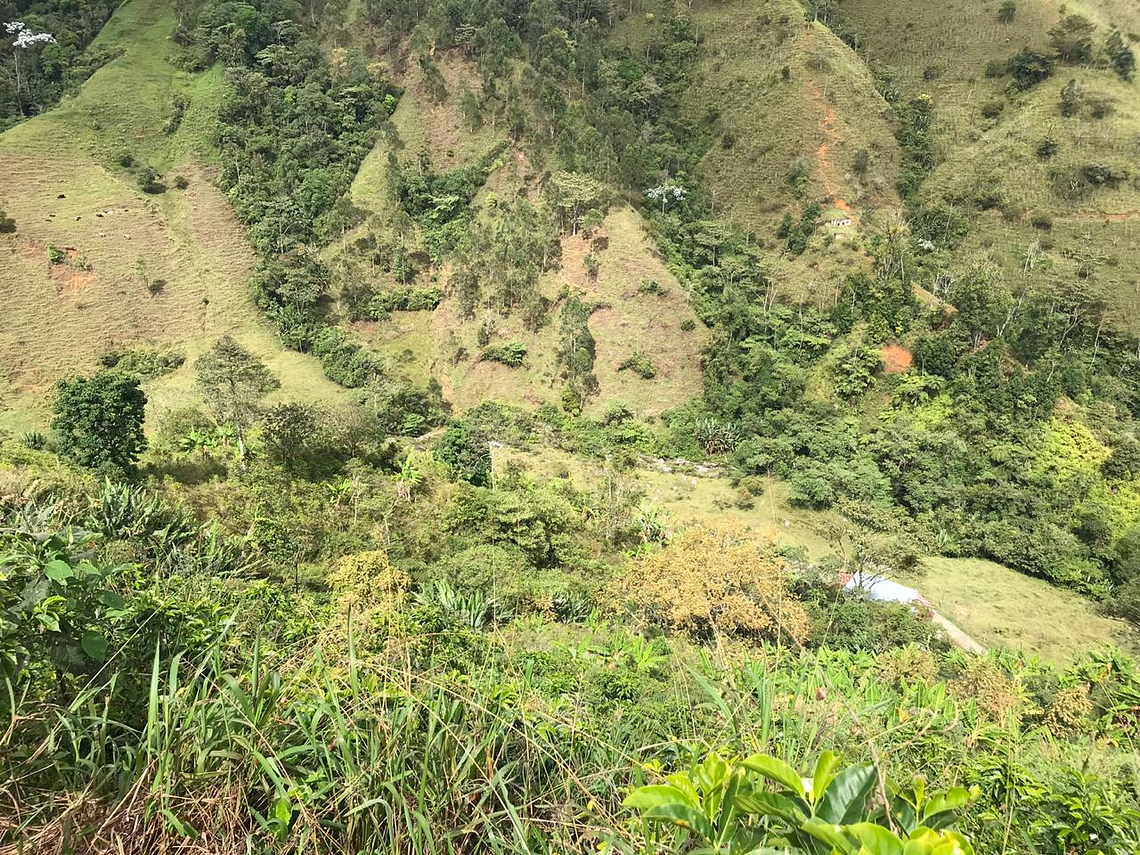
x,y
167,682
285,582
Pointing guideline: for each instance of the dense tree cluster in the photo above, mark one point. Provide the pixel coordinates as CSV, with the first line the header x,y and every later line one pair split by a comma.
x,y
43,52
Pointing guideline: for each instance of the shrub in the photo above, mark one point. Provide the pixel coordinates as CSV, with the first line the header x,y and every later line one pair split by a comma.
x,y
688,325
143,362
466,450
1069,711
345,361
722,578
181,182
55,255
1007,11
992,109
1072,96
1072,39
714,436
125,159
996,692
593,265
1125,602
99,420
34,440
149,182
512,354
761,804
640,364
178,105
572,400
7,224
1030,68
404,299
1120,55
1047,148
368,588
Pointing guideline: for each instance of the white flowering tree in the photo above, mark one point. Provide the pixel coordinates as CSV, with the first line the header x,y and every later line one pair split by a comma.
x,y
25,39
666,193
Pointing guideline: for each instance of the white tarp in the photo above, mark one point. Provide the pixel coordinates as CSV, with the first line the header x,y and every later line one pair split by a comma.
x,y
880,588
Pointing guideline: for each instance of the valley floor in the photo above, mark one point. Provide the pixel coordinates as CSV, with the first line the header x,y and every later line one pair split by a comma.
x,y
981,604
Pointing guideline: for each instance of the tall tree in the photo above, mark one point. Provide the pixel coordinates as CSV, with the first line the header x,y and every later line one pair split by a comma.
x,y
100,420
234,382
1121,55
1072,39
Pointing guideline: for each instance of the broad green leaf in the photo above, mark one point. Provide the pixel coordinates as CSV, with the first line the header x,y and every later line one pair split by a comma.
x,y
776,770
58,571
647,798
34,592
916,846
922,842
769,804
846,797
950,843
112,600
283,811
94,645
710,774
683,816
876,839
48,621
86,568
830,834
953,799
823,775
682,782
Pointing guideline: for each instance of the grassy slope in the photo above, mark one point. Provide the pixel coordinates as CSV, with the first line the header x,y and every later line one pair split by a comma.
x,y
826,112
689,497
944,54
1001,607
425,344
59,319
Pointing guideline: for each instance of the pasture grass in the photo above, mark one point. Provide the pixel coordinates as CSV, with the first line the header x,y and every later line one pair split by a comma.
x,y
1000,607
632,316
942,49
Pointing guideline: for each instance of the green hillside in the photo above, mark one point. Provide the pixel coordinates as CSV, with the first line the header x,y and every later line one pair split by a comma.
x,y
1040,217
166,271
557,428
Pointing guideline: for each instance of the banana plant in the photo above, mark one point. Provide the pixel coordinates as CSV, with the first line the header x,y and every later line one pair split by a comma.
x,y
762,805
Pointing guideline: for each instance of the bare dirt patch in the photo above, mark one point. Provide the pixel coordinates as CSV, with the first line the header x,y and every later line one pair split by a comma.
x,y
897,359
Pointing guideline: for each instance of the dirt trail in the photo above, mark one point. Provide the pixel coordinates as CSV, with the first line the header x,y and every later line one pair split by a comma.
x,y
830,136
826,168
957,635
1119,217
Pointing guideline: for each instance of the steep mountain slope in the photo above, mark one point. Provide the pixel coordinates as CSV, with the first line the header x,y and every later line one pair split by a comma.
x,y
167,270
637,305
796,106
1057,197
793,118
